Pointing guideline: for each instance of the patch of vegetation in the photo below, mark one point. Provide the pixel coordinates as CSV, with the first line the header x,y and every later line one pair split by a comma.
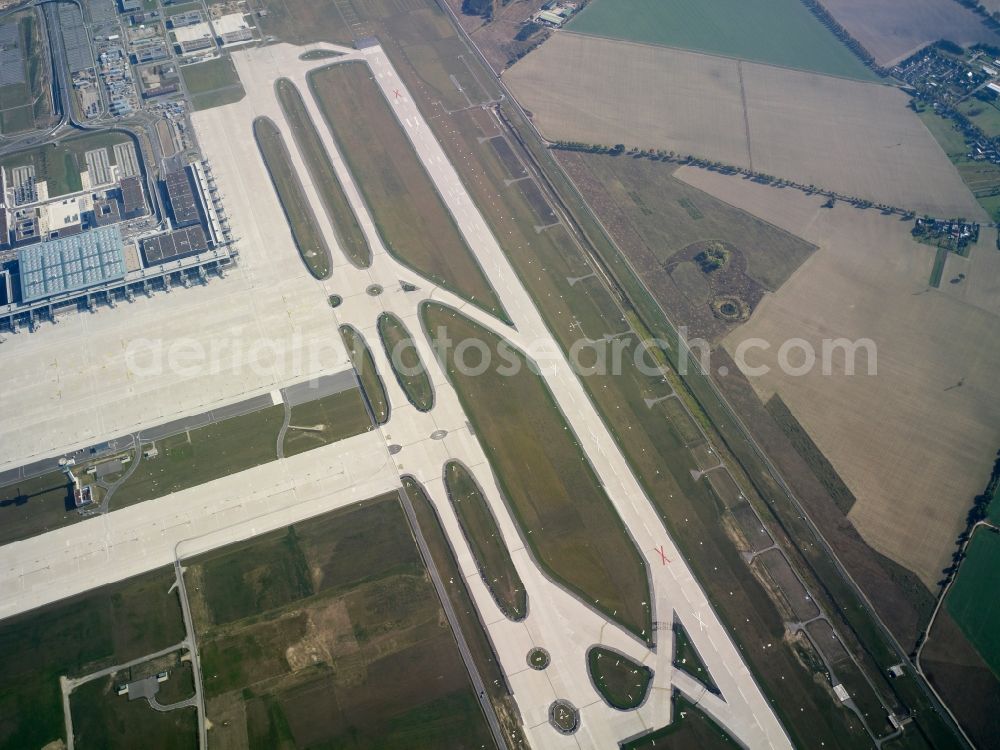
x,y
691,728
34,506
527,30
213,83
318,54
712,258
305,21
203,454
549,484
405,206
621,682
364,365
811,454
538,658
363,662
73,637
481,531
302,222
326,420
238,584
940,258
405,361
335,300
781,32
687,659
101,718
350,236
61,163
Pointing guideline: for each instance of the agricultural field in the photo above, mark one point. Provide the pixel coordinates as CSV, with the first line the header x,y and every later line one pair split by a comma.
x,y
364,365
661,223
549,485
329,633
409,214
960,674
891,33
60,164
913,487
857,139
405,361
481,530
781,32
326,420
349,235
74,637
974,598
213,83
308,236
25,105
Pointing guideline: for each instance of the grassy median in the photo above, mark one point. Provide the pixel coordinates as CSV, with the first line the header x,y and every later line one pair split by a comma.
x,y
410,215
405,361
481,531
556,498
338,209
619,680
364,365
302,222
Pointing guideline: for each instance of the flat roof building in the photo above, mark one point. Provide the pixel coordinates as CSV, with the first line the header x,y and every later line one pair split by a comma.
x,y
173,245
183,205
188,18
71,264
133,202
63,215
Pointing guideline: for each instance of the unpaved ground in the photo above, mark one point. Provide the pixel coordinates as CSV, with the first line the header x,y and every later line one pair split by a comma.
x,y
856,138
912,445
892,30
497,39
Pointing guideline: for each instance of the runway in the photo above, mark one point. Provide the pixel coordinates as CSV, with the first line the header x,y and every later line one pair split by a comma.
x,y
282,492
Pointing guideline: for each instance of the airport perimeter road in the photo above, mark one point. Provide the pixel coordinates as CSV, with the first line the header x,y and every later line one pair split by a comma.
x,y
456,628
192,643
747,712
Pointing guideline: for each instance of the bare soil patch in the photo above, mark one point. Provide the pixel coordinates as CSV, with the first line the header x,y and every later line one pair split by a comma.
x,y
910,443
891,32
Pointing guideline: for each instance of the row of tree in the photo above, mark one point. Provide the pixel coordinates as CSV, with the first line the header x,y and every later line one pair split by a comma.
x,y
821,13
635,152
991,20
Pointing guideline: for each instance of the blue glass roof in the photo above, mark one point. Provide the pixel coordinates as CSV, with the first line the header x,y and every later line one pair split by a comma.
x,y
71,263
